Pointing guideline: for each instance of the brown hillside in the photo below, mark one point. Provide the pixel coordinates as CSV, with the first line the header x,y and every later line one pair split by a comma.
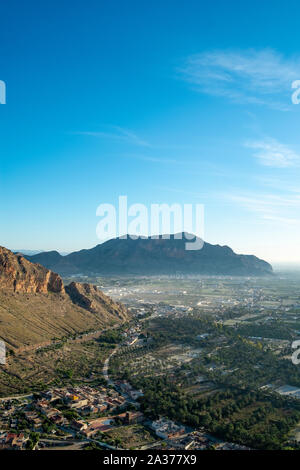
x,y
35,307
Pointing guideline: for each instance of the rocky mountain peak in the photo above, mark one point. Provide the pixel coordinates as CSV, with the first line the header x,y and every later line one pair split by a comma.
x,y
20,275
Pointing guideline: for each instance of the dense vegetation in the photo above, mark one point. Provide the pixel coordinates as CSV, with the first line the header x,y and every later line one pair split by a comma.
x,y
255,419
237,409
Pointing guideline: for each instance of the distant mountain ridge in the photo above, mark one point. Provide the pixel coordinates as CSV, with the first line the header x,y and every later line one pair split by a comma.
x,y
149,256
27,252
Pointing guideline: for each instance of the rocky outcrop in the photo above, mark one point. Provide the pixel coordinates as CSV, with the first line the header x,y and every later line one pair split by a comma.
x,y
17,274
35,307
20,275
91,298
80,294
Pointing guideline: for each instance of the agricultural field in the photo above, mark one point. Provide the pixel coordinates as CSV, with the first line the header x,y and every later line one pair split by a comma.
x,y
58,364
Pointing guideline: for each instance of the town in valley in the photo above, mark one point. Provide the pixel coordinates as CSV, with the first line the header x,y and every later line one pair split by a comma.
x,y
202,363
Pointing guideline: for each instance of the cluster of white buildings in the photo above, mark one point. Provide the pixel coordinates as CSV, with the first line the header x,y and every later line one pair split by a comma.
x,y
167,429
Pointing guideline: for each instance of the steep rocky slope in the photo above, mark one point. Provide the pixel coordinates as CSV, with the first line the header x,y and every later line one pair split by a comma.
x,y
36,308
17,274
89,297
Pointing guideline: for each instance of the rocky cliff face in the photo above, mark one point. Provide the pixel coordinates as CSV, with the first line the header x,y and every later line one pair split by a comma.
x,y
35,307
19,275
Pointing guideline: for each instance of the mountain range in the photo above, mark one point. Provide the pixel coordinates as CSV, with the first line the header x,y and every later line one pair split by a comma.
x,y
151,256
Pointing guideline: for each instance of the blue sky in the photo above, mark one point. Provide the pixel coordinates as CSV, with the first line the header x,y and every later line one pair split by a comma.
x,y
162,101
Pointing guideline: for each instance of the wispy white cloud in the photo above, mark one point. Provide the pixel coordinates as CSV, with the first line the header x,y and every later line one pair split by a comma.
x,y
281,210
251,76
287,186
283,220
117,133
266,203
271,153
